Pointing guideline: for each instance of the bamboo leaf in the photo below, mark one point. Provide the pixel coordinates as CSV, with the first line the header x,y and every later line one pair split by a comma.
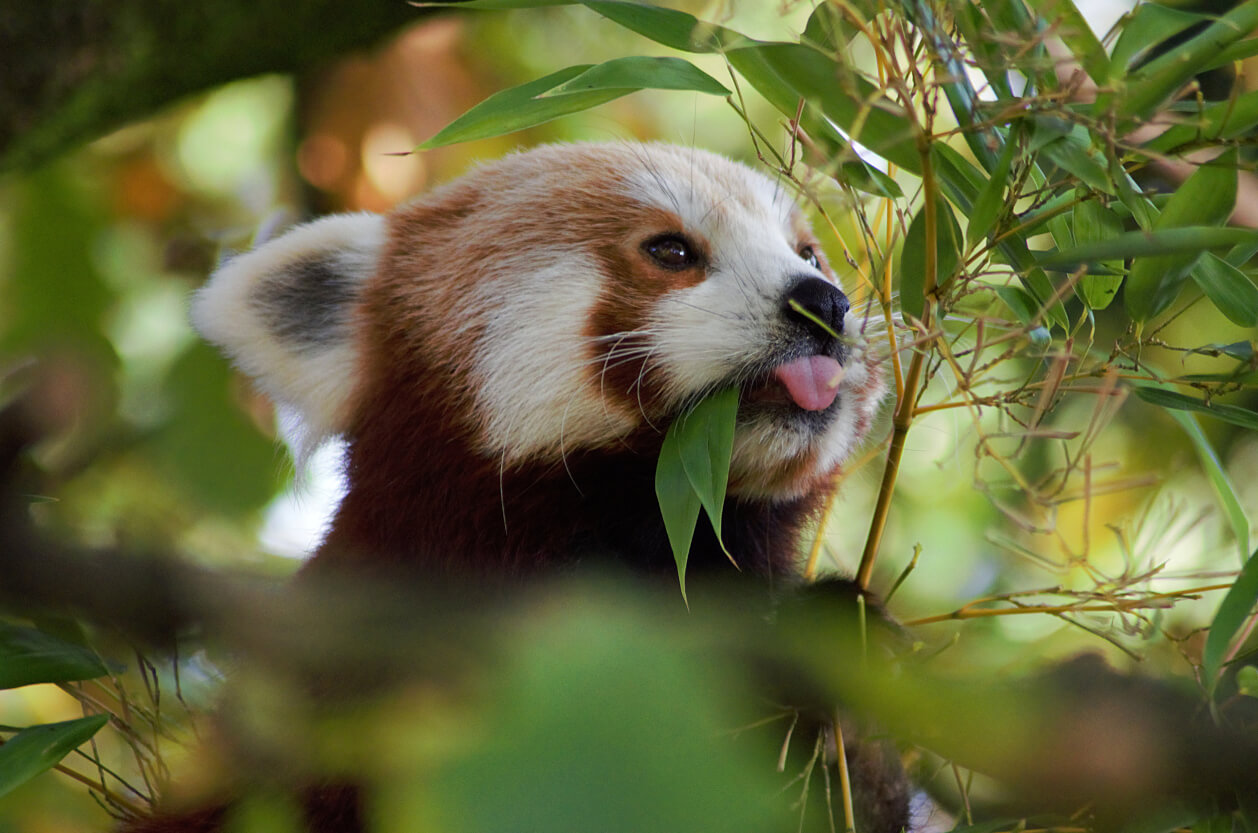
x,y
1147,26
1190,239
520,107
1216,120
1067,23
948,245
1228,288
1162,77
641,73
29,656
679,505
39,748
1235,608
1205,199
1094,223
1219,480
706,444
986,210
1171,399
676,30
1020,302
1074,153
784,73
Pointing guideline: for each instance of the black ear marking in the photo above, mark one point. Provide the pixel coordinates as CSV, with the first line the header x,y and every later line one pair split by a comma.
x,y
307,302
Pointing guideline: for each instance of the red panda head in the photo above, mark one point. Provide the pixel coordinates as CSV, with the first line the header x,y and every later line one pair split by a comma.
x,y
568,300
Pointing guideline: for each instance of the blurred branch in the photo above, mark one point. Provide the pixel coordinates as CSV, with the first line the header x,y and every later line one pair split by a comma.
x,y
74,71
1081,734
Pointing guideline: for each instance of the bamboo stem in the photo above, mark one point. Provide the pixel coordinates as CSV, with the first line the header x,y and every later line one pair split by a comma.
x,y
903,418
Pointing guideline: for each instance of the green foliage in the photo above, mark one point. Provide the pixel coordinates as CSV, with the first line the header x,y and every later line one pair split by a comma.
x,y
1068,275
39,748
29,656
693,471
1054,158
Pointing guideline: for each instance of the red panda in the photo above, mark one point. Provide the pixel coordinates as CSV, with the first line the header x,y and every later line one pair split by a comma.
x,y
504,355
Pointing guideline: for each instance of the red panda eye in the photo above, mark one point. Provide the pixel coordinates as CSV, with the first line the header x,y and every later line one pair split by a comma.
x,y
672,251
810,257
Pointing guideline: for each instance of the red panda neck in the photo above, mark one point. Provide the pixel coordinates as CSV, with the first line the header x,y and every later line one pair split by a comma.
x,y
420,497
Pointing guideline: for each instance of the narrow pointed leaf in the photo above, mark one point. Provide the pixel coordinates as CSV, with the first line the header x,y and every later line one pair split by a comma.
x,y
1191,239
1074,153
1228,288
29,656
706,444
948,245
39,748
1235,608
1020,302
1162,77
1171,399
1094,223
1216,120
676,30
1067,23
845,98
641,73
679,505
519,107
986,210
1222,484
1206,198
1148,25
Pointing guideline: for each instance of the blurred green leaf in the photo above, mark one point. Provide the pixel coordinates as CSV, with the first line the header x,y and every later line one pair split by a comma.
x,y
1205,199
986,209
1162,77
1215,120
1247,681
951,74
39,748
640,73
208,445
676,30
1144,28
1230,290
519,107
264,811
1094,223
948,247
1188,239
1065,21
1020,302
29,656
828,28
1075,154
603,723
1234,610
784,73
958,177
1218,478
1228,413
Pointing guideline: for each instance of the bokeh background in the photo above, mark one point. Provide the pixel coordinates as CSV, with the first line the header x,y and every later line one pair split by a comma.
x,y
158,445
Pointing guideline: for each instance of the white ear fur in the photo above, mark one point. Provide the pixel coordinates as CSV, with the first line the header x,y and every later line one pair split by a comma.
x,y
282,312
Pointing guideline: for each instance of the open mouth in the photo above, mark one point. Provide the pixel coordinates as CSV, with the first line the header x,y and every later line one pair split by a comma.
x,y
810,382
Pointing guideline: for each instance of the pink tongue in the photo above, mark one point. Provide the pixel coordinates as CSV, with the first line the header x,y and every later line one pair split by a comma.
x,y
812,381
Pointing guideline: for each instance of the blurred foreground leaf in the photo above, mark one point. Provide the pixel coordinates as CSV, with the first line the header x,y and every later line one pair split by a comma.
x,y
30,656
39,748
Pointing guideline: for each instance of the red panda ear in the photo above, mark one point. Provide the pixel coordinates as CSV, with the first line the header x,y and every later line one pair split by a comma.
x,y
283,313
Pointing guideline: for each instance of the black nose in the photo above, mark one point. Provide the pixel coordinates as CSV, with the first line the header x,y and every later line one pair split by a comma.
x,y
815,301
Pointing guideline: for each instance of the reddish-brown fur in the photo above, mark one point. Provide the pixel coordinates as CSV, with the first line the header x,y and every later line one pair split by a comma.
x,y
422,496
